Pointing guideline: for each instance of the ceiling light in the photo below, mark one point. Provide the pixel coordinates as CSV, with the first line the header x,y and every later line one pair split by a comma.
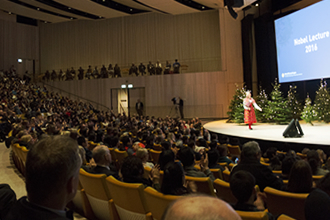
x,y
257,5
38,9
9,13
69,8
203,7
131,9
130,86
123,86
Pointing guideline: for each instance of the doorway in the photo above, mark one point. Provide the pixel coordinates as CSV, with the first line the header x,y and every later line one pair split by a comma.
x,y
124,100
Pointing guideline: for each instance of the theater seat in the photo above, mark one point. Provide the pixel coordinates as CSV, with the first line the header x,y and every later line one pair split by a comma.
x,y
217,173
280,202
157,202
129,199
204,185
234,150
253,215
226,175
98,203
120,155
154,155
223,191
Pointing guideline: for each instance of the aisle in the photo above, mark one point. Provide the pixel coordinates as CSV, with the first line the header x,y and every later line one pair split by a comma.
x,y
8,172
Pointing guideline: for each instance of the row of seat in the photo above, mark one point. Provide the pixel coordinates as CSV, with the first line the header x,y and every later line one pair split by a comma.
x,y
104,197
99,197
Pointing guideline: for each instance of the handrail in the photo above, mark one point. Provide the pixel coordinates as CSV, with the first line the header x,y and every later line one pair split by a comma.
x,y
78,97
121,107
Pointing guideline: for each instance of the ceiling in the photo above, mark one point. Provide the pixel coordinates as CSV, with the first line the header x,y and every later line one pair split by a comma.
x,y
54,11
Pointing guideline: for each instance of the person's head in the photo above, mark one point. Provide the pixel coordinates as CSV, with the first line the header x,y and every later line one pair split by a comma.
x,y
195,207
242,185
313,160
223,150
248,94
300,178
101,155
52,171
82,141
143,154
287,164
251,151
82,154
187,156
173,177
213,157
131,168
270,152
165,157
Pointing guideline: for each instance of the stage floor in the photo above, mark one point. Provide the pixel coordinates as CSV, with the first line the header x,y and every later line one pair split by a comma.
x,y
318,134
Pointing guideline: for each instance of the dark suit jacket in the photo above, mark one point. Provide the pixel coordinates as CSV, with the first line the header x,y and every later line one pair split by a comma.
x,y
141,105
263,175
102,170
25,210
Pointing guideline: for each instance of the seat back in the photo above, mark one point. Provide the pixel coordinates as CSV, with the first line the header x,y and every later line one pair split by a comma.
x,y
291,204
302,156
223,191
154,155
253,215
97,194
284,217
147,171
157,202
204,184
120,155
217,173
158,147
128,198
226,175
234,150
92,145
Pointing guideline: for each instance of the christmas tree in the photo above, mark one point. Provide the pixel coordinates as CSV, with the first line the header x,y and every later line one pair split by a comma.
x,y
278,111
308,114
293,104
262,101
322,103
236,109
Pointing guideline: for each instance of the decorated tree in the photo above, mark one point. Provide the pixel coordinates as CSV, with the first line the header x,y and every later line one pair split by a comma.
x,y
236,109
262,101
308,114
322,103
278,111
294,105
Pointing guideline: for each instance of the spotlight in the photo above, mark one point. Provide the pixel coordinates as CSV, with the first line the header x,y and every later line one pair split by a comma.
x,y
123,86
130,86
19,60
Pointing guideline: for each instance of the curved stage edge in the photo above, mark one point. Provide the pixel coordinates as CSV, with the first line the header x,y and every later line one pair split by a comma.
x,y
269,135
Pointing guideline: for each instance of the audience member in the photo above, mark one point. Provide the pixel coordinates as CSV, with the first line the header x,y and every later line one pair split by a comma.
x,y
103,161
287,164
133,70
315,163
173,180
167,68
318,201
7,200
176,66
196,207
143,154
132,172
187,157
142,69
300,178
250,162
52,176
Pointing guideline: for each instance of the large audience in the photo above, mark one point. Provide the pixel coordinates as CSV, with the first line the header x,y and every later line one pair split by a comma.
x,y
36,118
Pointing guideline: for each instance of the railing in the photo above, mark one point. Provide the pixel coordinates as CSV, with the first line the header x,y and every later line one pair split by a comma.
x,y
75,97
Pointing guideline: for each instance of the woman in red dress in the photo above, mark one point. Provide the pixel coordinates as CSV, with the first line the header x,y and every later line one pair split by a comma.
x,y
249,114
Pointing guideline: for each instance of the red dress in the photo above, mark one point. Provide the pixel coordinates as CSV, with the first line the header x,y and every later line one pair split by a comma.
x,y
249,115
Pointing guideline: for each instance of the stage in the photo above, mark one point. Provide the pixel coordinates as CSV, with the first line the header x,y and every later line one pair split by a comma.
x,y
317,136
